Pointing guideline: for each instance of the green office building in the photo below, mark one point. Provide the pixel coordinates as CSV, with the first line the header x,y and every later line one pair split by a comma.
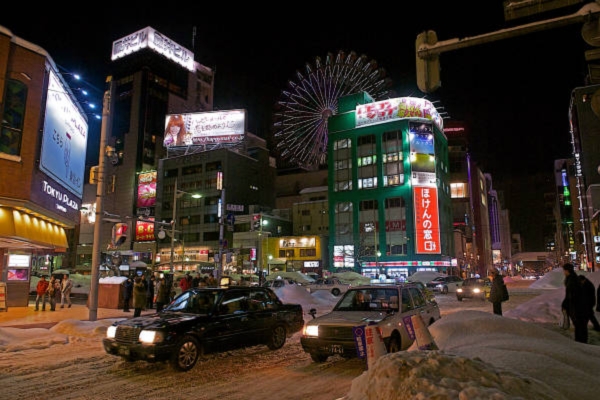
x,y
389,190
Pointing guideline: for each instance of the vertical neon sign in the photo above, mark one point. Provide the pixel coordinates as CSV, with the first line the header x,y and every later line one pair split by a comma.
x,y
427,222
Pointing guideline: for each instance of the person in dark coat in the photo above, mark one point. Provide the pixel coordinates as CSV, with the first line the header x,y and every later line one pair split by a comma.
x,y
150,293
589,292
139,296
498,292
575,303
127,293
162,294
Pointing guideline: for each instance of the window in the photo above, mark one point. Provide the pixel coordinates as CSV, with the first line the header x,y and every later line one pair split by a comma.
x,y
395,226
342,162
343,222
458,190
393,159
367,162
11,135
308,252
368,217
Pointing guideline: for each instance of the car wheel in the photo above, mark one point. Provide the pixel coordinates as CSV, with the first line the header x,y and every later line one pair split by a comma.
x,y
186,354
319,358
277,338
394,344
445,290
335,292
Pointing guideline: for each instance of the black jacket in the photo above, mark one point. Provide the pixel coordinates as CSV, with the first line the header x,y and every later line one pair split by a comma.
x,y
574,301
498,292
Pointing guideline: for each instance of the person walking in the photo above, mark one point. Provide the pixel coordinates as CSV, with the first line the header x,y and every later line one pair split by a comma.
x,y
162,294
127,293
67,286
589,294
139,296
150,293
41,289
575,303
498,292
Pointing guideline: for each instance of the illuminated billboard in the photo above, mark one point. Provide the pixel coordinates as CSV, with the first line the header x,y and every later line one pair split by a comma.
x,y
209,128
427,222
64,140
146,192
398,108
155,41
144,230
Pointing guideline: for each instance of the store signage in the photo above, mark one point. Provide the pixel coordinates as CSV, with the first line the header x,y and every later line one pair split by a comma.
x,y
427,224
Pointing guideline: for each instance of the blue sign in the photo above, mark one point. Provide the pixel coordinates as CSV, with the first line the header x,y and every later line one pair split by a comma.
x,y
360,341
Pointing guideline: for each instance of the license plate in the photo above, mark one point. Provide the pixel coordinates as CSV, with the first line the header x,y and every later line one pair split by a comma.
x,y
336,349
123,351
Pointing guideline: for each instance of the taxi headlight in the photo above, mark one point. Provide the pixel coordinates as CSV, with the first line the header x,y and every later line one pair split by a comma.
x,y
311,330
459,290
476,290
151,336
111,332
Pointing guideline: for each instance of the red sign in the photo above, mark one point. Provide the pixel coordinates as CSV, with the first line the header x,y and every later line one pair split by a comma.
x,y
427,222
144,231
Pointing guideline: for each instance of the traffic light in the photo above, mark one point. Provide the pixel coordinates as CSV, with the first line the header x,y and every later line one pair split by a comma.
x,y
255,224
119,234
428,68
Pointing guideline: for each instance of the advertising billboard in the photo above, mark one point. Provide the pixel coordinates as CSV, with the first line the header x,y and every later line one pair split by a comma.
x,y
144,230
155,41
64,140
427,222
398,108
146,190
208,128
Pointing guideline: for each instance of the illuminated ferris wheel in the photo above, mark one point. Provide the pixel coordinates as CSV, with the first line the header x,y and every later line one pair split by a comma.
x,y
300,116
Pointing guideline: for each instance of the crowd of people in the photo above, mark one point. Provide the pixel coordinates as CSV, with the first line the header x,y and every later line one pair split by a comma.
x,y
143,294
579,302
56,291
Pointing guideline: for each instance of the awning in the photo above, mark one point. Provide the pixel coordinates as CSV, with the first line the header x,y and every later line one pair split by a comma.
x,y
21,226
277,261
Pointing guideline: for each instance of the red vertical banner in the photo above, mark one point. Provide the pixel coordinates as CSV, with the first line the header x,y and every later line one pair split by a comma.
x,y
427,221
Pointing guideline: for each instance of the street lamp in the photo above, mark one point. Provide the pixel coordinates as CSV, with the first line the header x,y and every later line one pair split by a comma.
x,y
176,194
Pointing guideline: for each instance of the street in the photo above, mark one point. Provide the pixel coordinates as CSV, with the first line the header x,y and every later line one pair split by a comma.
x,y
82,370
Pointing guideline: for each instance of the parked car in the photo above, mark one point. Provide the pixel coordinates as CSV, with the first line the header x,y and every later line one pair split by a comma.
x,y
474,288
445,284
334,285
385,305
429,295
205,320
280,282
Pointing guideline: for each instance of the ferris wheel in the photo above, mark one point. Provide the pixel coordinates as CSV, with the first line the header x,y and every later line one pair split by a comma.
x,y
300,116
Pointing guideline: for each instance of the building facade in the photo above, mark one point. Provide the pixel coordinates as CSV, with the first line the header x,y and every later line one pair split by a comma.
x,y
389,187
43,140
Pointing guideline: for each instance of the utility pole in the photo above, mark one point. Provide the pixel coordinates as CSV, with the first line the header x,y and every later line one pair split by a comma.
x,y
96,258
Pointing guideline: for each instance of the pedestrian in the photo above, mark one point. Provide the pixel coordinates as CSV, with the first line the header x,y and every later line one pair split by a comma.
x,y
211,281
196,280
67,285
139,296
150,293
41,289
162,294
184,283
127,293
54,292
589,292
575,303
498,292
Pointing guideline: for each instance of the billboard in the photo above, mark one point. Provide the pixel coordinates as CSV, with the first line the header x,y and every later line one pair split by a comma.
x,y
207,128
64,139
155,41
427,222
398,108
146,190
144,230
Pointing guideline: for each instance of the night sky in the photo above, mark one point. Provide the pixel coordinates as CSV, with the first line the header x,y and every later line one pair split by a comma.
x,y
514,94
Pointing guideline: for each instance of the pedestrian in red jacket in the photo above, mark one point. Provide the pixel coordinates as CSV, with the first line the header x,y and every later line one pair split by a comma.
x,y
41,289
